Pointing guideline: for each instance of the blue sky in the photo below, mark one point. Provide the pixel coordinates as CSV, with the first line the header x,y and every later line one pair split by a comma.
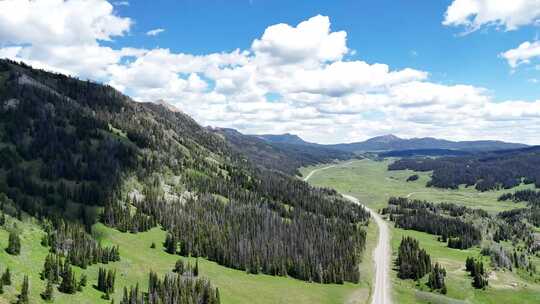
x,y
330,71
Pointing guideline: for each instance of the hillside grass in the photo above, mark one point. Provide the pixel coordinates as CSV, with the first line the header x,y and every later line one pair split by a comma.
x,y
370,182
137,259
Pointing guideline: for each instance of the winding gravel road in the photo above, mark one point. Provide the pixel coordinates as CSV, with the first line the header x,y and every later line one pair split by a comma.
x,y
381,254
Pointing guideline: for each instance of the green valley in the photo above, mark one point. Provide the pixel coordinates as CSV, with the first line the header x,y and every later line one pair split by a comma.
x,y
373,185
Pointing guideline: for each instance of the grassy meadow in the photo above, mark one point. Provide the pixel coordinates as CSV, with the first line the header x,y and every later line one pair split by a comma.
x,y
137,259
373,184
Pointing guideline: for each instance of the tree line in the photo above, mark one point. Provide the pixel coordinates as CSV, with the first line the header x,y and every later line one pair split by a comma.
x,y
532,197
172,289
251,237
414,263
486,171
441,220
71,241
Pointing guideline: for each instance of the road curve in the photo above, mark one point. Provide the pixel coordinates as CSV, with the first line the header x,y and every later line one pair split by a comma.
x,y
315,171
381,254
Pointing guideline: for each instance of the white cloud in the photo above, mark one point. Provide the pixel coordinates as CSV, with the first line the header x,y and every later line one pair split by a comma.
x,y
63,35
155,32
507,14
309,41
59,22
291,79
523,54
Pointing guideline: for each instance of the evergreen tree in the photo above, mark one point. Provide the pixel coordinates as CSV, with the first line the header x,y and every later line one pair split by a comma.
x,y
170,244
469,264
6,277
413,262
83,281
14,244
52,268
179,267
478,273
436,278
172,289
23,296
196,269
69,283
48,293
111,278
479,281
106,280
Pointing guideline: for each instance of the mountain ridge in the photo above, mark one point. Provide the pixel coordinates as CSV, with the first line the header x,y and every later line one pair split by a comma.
x,y
391,142
286,156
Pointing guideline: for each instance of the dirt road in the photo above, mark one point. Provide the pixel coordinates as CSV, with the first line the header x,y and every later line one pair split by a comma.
x,y
381,255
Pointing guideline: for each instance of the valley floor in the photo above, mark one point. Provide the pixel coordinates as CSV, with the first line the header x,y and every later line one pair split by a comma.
x,y
372,184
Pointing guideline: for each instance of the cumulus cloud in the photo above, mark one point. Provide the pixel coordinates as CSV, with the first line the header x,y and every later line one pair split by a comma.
x,y
59,22
155,32
506,14
310,41
294,78
523,54
63,35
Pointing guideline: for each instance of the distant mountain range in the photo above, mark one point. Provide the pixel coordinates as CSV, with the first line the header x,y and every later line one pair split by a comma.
x,y
391,143
285,153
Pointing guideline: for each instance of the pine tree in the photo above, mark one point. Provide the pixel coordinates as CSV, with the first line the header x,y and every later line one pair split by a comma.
x,y
478,273
111,278
170,244
23,297
106,280
179,267
102,279
479,281
436,277
6,277
196,269
84,280
14,244
48,293
469,264
68,284
413,262
1,287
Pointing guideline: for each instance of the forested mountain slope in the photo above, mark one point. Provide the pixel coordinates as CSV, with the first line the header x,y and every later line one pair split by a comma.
x,y
83,152
286,154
